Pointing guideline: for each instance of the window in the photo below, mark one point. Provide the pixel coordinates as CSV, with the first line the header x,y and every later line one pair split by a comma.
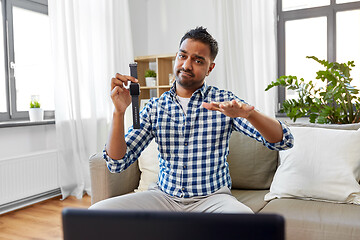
x,y
25,64
327,29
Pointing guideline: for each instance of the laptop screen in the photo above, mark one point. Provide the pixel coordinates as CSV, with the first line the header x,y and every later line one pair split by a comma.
x,y
112,224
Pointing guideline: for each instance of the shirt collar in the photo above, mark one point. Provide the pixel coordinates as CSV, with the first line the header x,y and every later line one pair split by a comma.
x,y
202,90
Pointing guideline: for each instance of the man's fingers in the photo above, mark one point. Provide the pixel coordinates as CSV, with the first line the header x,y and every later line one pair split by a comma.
x,y
122,80
118,90
247,107
230,104
234,102
116,82
231,108
216,106
207,105
115,91
126,78
211,106
226,105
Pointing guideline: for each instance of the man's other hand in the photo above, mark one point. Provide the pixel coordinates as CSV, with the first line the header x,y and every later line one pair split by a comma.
x,y
231,109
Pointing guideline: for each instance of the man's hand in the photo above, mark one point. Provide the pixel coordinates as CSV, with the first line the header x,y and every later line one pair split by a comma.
x,y
268,127
119,94
116,145
231,109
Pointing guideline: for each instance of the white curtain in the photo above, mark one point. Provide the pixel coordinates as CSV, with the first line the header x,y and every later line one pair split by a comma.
x,y
247,63
91,42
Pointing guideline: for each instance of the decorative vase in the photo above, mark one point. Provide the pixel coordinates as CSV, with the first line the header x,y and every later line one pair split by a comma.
x,y
36,114
150,81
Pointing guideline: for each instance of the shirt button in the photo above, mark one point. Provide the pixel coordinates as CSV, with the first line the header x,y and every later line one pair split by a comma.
x,y
184,166
186,144
183,189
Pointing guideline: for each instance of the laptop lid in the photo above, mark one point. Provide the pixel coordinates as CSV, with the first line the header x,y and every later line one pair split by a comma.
x,y
114,224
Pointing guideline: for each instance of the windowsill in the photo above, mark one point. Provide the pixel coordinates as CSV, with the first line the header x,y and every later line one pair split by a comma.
x,y
22,123
279,114
284,118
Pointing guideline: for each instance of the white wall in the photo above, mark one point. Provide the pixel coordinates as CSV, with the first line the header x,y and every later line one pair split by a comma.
x,y
17,141
139,18
158,25
168,20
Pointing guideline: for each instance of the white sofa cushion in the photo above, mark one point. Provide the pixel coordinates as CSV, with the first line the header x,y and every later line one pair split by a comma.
x,y
324,164
149,166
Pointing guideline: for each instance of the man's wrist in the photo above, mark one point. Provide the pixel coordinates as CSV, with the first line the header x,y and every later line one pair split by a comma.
x,y
251,115
117,114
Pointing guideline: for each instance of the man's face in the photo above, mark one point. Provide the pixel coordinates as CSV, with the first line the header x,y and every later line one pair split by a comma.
x,y
192,64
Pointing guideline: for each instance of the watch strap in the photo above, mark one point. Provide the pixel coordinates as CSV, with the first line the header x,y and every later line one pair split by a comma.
x,y
135,92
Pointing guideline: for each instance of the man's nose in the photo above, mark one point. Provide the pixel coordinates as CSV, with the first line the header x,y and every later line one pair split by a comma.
x,y
187,64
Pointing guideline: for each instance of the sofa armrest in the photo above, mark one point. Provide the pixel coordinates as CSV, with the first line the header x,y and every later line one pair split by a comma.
x,y
105,184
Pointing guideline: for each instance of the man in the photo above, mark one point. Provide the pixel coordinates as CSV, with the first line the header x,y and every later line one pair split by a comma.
x,y
191,124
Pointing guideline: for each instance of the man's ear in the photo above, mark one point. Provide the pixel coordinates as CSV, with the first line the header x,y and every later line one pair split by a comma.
x,y
212,65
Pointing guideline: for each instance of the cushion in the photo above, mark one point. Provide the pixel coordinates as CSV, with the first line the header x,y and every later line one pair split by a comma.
x,y
324,164
252,165
254,199
149,166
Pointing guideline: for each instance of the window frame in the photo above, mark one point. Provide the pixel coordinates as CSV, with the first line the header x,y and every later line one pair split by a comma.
x,y
328,11
40,6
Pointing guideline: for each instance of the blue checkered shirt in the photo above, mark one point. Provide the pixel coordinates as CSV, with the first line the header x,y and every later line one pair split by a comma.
x,y
193,147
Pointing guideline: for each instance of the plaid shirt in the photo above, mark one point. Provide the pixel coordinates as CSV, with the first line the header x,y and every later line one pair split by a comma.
x,y
192,148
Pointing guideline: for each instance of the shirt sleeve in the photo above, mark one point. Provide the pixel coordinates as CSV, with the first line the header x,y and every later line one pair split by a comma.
x,y
244,126
136,140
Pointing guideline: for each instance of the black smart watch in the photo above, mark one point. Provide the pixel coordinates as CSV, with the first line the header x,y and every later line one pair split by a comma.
x,y
135,92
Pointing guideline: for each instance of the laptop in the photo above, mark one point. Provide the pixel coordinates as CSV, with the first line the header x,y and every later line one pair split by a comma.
x,y
115,224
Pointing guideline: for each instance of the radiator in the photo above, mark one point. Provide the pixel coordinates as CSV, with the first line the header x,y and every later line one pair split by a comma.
x,y
22,177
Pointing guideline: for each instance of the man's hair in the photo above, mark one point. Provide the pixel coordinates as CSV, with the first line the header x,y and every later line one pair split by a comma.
x,y
202,35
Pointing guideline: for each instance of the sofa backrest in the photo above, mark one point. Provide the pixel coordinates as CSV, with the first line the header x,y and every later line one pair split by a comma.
x,y
252,165
354,126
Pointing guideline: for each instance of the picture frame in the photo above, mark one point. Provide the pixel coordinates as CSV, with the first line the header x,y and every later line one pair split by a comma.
x,y
143,103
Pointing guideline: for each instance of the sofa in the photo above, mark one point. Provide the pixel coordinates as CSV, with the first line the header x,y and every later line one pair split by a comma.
x,y
256,175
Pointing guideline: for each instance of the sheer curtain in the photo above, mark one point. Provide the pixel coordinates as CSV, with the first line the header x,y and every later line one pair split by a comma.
x,y
246,31
89,48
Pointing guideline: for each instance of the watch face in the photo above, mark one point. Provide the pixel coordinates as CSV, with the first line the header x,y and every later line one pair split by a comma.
x,y
134,89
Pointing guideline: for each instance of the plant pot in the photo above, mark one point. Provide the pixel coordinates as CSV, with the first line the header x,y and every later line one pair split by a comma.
x,y
150,81
36,114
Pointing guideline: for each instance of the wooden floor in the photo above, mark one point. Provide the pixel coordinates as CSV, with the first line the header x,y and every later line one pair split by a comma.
x,y
39,221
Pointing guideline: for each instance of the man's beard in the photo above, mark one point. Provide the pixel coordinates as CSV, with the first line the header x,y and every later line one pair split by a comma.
x,y
185,82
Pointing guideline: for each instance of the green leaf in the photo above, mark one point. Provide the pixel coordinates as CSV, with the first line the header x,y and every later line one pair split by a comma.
x,y
34,104
336,103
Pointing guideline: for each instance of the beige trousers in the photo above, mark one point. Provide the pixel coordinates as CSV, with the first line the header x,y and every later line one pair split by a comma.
x,y
154,199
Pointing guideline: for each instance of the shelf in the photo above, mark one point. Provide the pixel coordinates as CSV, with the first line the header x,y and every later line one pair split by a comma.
x,y
148,88
152,58
164,67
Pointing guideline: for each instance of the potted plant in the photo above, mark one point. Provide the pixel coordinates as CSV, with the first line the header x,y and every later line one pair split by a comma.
x,y
337,103
36,113
150,78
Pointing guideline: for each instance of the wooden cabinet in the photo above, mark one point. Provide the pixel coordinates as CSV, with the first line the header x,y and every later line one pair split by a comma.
x,y
164,67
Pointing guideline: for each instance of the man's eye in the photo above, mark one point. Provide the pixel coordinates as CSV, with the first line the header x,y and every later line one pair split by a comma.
x,y
181,56
198,61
